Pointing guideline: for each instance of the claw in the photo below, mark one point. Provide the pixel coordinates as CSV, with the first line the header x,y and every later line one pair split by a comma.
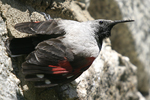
x,y
46,16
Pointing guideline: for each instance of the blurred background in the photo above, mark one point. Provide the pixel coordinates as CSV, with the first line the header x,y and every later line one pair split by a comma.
x,y
132,41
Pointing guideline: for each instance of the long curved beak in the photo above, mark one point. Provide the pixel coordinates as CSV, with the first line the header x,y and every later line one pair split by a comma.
x,y
120,21
113,23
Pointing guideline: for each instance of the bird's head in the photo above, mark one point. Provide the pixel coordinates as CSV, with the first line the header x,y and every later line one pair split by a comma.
x,y
103,27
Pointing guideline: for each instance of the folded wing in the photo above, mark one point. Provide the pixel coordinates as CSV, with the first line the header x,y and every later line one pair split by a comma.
x,y
49,64
44,27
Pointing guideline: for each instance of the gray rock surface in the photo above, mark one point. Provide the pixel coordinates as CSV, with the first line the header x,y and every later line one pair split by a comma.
x,y
111,77
131,40
139,10
9,89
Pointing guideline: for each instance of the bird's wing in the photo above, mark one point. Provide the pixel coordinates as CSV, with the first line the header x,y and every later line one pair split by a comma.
x,y
49,65
52,63
50,27
44,76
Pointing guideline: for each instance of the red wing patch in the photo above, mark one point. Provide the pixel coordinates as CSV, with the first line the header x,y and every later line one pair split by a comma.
x,y
58,69
65,64
37,22
88,63
80,69
62,68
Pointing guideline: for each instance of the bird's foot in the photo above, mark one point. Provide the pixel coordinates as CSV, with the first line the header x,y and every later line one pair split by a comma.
x,y
46,16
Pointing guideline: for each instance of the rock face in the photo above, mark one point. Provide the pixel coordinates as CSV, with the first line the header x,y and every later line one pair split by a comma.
x,y
111,76
140,30
9,89
131,41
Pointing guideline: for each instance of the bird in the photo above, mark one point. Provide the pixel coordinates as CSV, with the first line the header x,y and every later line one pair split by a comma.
x,y
59,50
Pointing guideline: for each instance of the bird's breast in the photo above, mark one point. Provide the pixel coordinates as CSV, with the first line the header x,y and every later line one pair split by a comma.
x,y
80,38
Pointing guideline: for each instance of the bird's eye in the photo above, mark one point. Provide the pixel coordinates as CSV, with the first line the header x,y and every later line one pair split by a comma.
x,y
100,22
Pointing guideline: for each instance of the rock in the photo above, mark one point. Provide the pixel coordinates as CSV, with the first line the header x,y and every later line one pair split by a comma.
x,y
111,77
9,89
139,11
128,38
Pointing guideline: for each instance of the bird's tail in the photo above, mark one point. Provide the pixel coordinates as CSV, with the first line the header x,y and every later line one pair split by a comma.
x,y
18,46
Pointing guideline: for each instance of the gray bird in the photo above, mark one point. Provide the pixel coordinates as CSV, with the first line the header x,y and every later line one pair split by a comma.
x,y
59,50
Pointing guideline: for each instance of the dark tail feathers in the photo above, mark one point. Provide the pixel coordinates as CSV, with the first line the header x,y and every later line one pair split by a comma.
x,y
19,46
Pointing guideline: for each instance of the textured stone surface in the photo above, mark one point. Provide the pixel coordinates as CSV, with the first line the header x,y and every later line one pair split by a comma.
x,y
122,40
128,38
139,10
9,89
111,77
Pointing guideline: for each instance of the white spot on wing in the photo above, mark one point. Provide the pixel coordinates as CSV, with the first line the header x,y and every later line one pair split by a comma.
x,y
40,75
47,82
70,76
64,74
33,30
36,57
